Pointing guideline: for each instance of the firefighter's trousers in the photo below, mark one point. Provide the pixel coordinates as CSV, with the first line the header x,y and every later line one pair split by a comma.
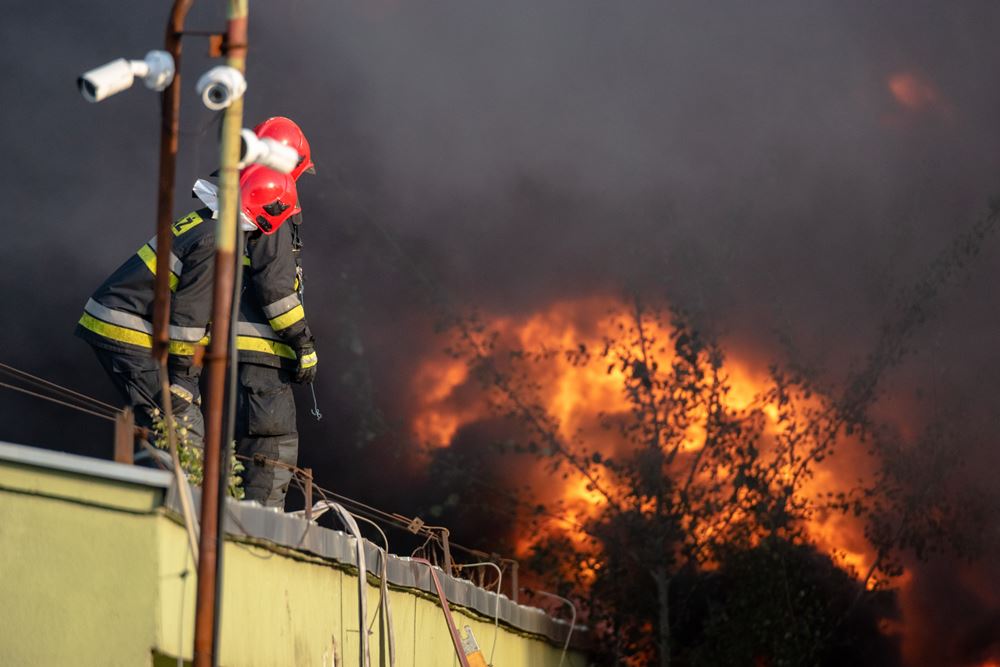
x,y
137,379
265,432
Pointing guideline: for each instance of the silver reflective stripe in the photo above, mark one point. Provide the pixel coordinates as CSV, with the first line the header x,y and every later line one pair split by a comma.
x,y
130,321
123,319
176,265
187,334
182,392
281,306
257,330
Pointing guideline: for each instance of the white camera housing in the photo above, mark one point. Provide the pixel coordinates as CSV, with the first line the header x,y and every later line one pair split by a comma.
x,y
266,151
156,71
221,86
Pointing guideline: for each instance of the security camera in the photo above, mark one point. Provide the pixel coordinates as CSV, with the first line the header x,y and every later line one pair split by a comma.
x,y
221,86
156,71
266,151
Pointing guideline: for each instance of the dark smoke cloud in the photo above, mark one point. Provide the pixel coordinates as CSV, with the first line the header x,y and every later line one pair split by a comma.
x,y
747,160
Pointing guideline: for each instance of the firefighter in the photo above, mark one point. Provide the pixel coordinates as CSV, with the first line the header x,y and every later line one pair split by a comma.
x,y
275,344
117,319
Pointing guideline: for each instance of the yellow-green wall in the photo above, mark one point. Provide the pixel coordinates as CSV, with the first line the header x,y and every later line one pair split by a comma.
x,y
77,580
95,572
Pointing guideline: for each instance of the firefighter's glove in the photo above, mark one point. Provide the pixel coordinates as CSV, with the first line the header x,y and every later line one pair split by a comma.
x,y
308,361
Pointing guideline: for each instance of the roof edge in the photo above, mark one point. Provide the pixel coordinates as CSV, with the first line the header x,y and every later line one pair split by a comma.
x,y
84,465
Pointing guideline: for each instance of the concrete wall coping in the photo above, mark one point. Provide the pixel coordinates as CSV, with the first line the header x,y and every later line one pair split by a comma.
x,y
84,465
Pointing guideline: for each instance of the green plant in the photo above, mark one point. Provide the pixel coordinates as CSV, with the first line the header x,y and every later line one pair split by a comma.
x,y
190,454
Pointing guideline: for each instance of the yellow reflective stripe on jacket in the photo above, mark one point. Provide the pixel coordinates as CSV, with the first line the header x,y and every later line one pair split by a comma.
x,y
288,319
133,337
182,349
282,305
254,344
148,257
246,261
309,360
115,332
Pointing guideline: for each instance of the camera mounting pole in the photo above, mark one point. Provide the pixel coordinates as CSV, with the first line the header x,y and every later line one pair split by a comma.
x,y
205,649
170,110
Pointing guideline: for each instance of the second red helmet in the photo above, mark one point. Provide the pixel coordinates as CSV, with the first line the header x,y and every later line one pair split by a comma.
x,y
267,198
286,131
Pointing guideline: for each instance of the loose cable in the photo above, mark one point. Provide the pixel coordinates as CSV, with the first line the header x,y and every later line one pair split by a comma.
x,y
34,379
57,401
496,620
572,623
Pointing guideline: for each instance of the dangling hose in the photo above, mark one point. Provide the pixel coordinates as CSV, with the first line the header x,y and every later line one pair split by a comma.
x,y
364,652
384,608
496,608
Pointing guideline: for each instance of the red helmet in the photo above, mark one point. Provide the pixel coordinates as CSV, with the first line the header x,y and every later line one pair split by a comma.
x,y
267,198
286,131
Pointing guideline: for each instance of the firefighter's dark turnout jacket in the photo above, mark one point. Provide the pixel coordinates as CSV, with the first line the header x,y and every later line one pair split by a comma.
x,y
117,318
271,332
119,315
272,327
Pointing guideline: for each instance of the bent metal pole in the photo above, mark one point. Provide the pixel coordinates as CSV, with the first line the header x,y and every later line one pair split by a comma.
x,y
218,352
170,111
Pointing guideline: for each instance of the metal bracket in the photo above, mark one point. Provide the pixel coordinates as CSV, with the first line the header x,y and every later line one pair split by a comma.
x,y
216,45
416,523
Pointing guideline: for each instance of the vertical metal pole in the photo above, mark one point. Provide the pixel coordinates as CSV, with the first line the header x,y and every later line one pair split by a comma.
x,y
229,414
170,111
124,436
225,242
514,566
309,493
445,533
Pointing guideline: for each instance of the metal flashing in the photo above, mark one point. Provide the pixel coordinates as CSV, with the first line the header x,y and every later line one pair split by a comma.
x,y
84,465
250,519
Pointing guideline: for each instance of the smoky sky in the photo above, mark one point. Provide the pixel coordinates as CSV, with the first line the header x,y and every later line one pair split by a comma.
x,y
747,161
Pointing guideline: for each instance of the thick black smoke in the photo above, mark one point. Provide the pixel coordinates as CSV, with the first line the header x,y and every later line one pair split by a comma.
x,y
747,160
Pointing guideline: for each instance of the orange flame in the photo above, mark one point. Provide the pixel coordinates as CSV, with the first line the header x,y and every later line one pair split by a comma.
x,y
916,95
913,92
576,394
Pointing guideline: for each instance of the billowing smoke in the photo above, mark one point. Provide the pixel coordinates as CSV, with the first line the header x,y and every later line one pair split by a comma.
x,y
780,169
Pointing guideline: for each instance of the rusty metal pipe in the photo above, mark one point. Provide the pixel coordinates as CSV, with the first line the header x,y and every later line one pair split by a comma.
x,y
309,497
205,648
170,112
124,436
456,639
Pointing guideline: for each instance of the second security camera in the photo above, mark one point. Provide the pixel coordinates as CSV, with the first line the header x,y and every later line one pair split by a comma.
x,y
221,86
268,152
